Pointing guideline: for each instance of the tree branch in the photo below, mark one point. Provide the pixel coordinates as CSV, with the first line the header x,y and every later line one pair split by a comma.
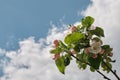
x,y
91,66
114,72
103,75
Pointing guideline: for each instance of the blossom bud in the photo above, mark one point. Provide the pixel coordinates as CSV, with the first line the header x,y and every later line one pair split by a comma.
x,y
101,42
73,51
56,43
110,54
86,50
92,27
102,51
94,56
56,56
73,28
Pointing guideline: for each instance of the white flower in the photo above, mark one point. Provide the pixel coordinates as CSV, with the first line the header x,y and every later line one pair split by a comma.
x,y
95,47
95,43
92,27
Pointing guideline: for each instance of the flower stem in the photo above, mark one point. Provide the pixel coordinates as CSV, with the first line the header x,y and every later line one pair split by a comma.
x,y
114,72
87,64
91,66
103,75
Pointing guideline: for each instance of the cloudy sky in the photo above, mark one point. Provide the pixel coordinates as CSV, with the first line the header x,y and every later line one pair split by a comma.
x,y
28,27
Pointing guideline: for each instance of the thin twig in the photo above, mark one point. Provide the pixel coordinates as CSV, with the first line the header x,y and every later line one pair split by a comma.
x,y
87,64
114,72
91,66
103,75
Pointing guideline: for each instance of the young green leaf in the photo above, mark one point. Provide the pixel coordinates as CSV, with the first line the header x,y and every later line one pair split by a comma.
x,y
84,58
68,56
67,61
92,69
87,21
95,62
73,38
98,32
107,48
110,66
77,47
60,64
56,50
61,44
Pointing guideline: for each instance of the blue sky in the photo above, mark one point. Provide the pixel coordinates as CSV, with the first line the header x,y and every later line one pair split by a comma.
x,y
21,19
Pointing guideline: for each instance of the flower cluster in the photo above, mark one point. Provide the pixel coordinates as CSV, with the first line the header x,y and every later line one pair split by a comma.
x,y
73,28
56,44
84,43
95,48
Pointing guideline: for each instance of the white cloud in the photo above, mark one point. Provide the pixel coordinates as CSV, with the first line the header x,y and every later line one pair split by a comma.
x,y
32,61
106,14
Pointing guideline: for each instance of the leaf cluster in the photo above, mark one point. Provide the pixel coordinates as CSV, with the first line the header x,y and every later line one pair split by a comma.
x,y
79,40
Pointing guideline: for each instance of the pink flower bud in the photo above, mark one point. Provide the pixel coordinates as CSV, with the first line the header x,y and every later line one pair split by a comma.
x,y
94,56
56,43
56,56
86,50
92,27
73,28
102,51
73,51
101,42
110,54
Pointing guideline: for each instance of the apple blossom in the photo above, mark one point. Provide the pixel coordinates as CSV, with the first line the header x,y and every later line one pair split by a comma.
x,y
95,49
83,42
95,43
102,51
94,56
95,46
73,51
92,27
73,28
56,56
110,54
56,43
86,50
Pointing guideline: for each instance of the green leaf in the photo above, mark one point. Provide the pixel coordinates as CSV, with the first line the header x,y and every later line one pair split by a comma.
x,y
110,66
105,68
67,61
56,50
77,47
98,32
87,21
95,62
96,39
84,58
61,44
60,64
81,45
107,48
73,38
108,59
92,69
84,66
78,27
69,56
